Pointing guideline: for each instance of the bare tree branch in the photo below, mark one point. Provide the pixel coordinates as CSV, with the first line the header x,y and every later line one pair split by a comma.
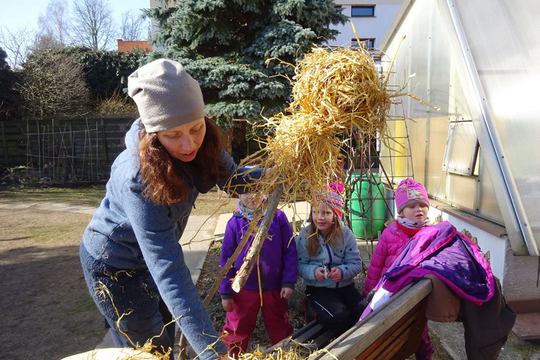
x,y
54,26
92,24
132,25
17,45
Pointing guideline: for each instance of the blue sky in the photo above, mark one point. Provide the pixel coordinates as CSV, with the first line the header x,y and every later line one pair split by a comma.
x,y
17,14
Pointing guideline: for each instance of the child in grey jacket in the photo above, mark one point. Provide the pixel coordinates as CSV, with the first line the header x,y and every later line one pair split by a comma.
x,y
328,261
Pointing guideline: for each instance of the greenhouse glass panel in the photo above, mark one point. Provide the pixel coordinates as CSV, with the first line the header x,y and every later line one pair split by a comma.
x,y
506,58
473,61
461,148
424,50
488,205
404,156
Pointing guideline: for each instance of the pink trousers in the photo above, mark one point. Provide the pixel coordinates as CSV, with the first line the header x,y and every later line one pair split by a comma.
x,y
240,323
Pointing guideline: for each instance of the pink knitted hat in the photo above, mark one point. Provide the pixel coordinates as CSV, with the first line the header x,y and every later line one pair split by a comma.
x,y
331,197
408,192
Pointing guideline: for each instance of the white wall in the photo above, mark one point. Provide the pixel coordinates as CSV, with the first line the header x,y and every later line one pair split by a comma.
x,y
366,27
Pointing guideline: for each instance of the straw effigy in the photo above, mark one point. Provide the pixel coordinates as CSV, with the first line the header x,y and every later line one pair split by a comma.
x,y
334,91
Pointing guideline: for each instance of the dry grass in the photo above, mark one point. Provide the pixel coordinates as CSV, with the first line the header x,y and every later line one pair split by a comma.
x,y
117,104
342,88
334,92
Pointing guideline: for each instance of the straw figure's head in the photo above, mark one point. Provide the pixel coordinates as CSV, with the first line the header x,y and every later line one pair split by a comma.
x,y
341,86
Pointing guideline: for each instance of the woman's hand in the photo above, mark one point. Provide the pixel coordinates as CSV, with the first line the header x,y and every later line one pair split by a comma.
x,y
320,274
228,304
286,293
335,274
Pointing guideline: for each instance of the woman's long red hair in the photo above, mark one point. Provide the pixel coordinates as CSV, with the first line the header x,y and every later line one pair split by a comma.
x,y
162,174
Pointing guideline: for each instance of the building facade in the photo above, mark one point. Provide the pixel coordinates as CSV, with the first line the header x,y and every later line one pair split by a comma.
x,y
371,19
130,46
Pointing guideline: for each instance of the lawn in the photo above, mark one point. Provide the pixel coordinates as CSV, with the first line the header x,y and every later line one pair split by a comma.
x,y
86,196
46,310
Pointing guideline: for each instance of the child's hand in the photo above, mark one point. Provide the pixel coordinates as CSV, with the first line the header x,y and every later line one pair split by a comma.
x,y
335,274
320,274
228,304
286,293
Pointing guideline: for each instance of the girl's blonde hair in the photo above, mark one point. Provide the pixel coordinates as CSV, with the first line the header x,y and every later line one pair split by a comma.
x,y
334,237
164,177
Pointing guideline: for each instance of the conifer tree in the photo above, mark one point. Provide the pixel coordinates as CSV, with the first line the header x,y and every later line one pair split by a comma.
x,y
9,97
232,48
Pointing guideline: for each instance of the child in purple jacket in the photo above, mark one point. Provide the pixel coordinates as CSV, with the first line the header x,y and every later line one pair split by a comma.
x,y
270,284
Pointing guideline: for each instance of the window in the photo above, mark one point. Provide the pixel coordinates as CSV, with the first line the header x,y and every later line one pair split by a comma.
x,y
363,11
461,152
369,43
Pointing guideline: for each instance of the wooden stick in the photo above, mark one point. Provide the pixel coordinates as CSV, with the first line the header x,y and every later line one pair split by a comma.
x,y
225,268
215,286
255,248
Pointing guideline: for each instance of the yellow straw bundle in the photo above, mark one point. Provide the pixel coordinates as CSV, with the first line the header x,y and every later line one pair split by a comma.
x,y
278,354
341,87
302,155
333,92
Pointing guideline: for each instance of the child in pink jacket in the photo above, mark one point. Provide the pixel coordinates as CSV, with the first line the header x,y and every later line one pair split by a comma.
x,y
412,204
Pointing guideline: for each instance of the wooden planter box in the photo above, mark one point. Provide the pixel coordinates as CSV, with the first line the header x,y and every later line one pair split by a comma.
x,y
391,332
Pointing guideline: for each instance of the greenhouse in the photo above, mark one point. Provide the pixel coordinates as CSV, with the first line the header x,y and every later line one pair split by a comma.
x,y
468,124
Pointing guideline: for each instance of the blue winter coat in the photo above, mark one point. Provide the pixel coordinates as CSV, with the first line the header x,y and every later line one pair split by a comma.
x,y
128,231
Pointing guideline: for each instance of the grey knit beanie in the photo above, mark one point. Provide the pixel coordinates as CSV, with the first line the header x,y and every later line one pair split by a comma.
x,y
166,95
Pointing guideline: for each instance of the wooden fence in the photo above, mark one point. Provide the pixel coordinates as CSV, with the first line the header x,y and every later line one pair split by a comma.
x,y
63,151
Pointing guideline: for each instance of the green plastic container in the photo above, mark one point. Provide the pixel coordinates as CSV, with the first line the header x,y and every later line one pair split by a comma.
x,y
367,208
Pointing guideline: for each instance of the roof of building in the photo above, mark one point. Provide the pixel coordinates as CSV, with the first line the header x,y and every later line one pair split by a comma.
x,y
128,46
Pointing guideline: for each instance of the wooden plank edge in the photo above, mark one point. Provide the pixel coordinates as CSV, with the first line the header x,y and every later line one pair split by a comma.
x,y
360,336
